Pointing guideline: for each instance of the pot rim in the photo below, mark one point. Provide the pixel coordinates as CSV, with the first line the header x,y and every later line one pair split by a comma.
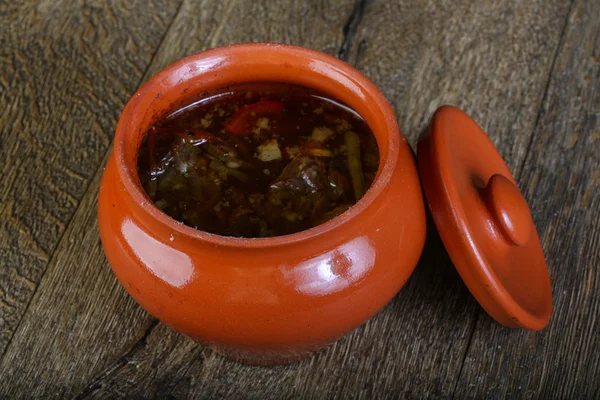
x,y
327,66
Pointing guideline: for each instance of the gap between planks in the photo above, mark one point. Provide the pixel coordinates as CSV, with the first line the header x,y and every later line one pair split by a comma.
x,y
88,187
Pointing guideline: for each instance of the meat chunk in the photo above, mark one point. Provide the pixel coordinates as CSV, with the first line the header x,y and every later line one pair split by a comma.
x,y
300,192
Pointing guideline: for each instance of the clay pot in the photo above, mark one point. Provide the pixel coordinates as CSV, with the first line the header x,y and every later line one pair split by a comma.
x,y
273,300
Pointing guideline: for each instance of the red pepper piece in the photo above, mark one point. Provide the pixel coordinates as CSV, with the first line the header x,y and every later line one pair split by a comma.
x,y
239,122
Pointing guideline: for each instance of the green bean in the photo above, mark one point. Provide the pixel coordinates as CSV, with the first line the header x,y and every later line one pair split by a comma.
x,y
354,164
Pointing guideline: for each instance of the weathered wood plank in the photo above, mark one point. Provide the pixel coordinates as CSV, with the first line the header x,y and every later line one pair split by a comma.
x,y
490,58
60,340
415,346
561,180
210,24
416,53
66,71
80,321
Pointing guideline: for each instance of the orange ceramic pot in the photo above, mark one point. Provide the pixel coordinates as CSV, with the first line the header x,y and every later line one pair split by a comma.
x,y
273,300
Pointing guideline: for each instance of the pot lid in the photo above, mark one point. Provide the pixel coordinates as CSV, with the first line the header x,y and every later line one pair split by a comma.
x,y
484,221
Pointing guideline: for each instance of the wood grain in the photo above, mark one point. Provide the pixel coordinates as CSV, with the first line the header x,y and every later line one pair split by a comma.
x,y
82,335
79,321
490,58
66,72
207,24
561,180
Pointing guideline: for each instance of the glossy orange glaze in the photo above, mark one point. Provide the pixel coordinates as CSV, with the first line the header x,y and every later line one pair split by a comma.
x,y
484,221
273,300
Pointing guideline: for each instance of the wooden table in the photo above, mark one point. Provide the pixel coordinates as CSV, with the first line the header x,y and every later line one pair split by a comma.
x,y
527,71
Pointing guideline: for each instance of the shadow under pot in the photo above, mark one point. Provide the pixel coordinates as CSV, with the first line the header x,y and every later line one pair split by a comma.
x,y
276,300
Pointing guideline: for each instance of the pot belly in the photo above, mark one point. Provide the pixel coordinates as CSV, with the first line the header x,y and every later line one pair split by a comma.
x,y
260,305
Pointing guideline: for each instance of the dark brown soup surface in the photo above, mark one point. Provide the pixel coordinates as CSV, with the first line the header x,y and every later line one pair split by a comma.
x,y
258,160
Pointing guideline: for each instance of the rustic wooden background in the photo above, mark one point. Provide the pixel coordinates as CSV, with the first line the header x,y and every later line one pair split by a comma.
x,y
527,71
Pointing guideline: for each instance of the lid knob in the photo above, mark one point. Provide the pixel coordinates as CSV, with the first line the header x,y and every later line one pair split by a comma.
x,y
509,209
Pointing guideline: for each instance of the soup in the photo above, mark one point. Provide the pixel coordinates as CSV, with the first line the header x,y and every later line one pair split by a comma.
x,y
258,160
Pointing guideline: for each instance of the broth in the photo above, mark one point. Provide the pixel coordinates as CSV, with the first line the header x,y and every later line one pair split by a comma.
x,y
258,160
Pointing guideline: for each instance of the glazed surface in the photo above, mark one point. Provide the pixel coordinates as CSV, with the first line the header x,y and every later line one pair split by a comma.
x,y
263,300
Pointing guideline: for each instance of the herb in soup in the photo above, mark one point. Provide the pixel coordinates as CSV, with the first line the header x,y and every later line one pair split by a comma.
x,y
258,160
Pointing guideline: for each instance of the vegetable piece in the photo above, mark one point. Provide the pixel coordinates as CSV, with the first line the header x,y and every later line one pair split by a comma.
x,y
269,151
321,133
239,175
354,165
263,123
320,152
240,122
